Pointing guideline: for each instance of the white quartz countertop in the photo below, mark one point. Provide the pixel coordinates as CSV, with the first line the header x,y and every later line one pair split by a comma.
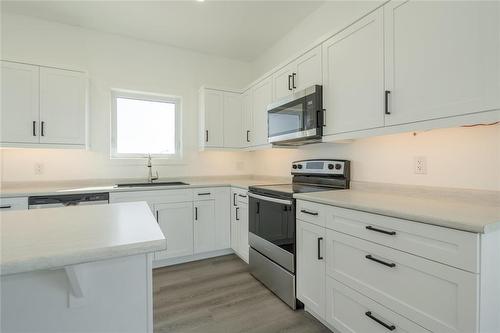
x,y
462,213
56,237
23,189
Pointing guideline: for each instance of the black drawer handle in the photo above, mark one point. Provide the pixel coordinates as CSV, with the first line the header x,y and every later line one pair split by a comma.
x,y
389,327
388,264
236,212
289,84
319,248
392,233
157,219
293,80
34,128
196,213
206,135
242,196
43,128
387,93
204,193
308,212
234,199
5,207
248,133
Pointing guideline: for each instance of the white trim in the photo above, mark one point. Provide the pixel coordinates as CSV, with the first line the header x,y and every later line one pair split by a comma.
x,y
146,96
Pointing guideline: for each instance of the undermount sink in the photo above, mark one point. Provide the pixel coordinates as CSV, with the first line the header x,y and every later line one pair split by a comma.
x,y
151,184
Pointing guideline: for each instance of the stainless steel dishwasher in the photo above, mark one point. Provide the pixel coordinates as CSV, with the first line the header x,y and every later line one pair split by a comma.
x,y
64,200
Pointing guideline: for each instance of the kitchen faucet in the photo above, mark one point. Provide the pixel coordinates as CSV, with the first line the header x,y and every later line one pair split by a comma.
x,y
151,178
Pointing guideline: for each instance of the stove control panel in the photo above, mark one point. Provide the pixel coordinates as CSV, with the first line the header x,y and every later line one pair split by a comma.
x,y
321,167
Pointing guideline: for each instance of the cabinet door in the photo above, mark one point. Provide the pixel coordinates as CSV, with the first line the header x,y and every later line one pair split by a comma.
x,y
242,221
311,267
262,97
235,232
63,106
307,70
222,218
442,58
353,90
176,223
214,118
247,118
282,81
20,98
204,226
233,122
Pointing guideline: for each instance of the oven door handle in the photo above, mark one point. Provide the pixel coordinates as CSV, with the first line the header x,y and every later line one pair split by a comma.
x,y
262,197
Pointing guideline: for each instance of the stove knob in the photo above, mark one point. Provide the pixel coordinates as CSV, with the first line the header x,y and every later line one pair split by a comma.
x,y
330,166
338,166
294,166
300,166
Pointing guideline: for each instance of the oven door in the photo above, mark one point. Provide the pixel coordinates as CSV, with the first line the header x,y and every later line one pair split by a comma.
x,y
272,229
297,117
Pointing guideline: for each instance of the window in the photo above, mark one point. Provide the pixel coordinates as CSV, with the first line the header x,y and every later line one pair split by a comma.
x,y
145,124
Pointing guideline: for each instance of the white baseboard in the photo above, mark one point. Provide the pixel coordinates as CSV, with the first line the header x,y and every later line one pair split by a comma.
x,y
200,256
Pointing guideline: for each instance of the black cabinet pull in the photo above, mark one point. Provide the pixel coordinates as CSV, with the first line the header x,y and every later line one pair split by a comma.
x,y
157,220
389,327
293,80
248,138
289,84
308,212
234,199
204,193
392,233
236,212
387,93
258,207
5,207
34,128
196,213
42,132
319,248
206,135
242,195
388,264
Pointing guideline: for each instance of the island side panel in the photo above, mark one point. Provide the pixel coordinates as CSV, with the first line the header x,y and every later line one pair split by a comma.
x,y
117,297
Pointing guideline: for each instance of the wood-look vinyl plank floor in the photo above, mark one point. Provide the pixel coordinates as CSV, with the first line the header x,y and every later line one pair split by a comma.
x,y
218,295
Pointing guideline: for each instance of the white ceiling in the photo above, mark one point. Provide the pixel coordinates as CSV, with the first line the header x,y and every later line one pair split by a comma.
x,y
240,30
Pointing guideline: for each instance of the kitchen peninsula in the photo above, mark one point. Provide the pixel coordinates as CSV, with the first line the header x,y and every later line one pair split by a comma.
x,y
78,269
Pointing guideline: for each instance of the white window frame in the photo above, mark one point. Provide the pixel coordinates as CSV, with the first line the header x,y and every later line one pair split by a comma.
x,y
116,93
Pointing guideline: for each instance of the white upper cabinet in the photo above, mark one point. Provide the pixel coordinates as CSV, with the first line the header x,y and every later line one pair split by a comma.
x,y
43,106
303,72
282,81
20,103
63,96
442,58
233,122
353,81
262,94
247,101
308,69
212,117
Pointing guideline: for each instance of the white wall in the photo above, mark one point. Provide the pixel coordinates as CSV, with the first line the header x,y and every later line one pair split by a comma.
x,y
117,62
330,18
456,157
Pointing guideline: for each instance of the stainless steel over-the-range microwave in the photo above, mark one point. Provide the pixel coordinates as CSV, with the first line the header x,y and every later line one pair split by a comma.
x,y
296,119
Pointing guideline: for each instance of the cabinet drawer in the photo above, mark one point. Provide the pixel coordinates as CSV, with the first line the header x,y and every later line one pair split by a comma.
x,y
435,296
204,194
13,204
349,311
452,247
311,212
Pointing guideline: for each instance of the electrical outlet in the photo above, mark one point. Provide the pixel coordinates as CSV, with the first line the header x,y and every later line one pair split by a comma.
x,y
420,165
38,168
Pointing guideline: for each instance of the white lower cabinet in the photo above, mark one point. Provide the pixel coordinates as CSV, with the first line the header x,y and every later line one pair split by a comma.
x,y
204,226
356,273
195,222
176,223
350,311
239,223
311,267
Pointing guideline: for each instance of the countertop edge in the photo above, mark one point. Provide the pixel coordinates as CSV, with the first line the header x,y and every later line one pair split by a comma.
x,y
81,257
411,217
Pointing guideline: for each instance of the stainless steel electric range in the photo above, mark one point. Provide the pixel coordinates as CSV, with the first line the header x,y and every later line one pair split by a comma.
x,y
272,222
